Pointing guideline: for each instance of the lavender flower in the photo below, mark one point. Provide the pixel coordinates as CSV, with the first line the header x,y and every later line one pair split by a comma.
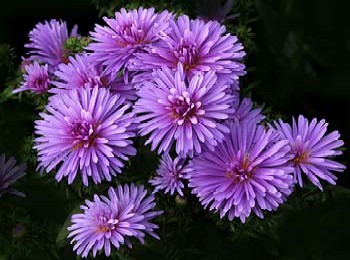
x,y
81,72
199,47
170,175
47,41
111,221
36,79
312,150
244,110
247,172
86,131
128,33
25,62
190,114
9,174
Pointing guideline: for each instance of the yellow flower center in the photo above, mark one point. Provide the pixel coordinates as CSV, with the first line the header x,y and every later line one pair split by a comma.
x,y
300,158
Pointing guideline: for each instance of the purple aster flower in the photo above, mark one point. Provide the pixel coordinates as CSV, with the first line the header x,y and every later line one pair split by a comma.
x,y
170,175
25,62
81,72
128,33
247,172
244,110
312,150
189,113
47,41
87,131
199,47
9,174
111,221
36,79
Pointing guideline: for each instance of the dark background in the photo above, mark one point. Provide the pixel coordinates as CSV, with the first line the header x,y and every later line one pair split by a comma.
x,y
298,63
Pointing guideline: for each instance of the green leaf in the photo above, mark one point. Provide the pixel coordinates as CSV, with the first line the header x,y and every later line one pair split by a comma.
x,y
63,233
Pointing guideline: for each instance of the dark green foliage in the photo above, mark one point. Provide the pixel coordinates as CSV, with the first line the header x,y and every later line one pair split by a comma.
x,y
107,7
7,62
293,57
75,45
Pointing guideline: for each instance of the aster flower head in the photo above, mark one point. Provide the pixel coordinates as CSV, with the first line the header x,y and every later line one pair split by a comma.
x,y
82,72
36,79
244,110
47,41
245,173
312,150
129,32
200,47
9,174
189,114
170,175
25,62
87,131
111,221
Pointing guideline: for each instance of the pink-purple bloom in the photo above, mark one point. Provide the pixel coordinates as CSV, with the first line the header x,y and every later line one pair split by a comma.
x,y
111,221
190,114
312,151
244,110
128,33
36,79
25,62
47,42
245,173
82,72
200,47
9,174
170,175
85,131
